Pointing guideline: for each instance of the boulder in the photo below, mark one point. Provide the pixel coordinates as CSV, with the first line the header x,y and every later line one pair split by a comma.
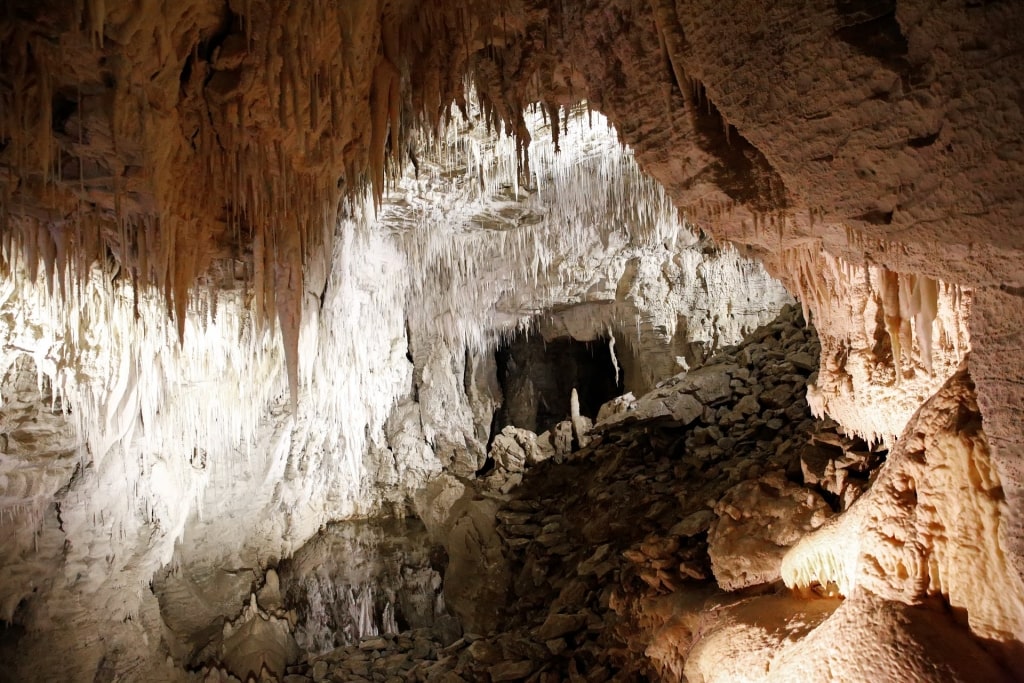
x,y
758,520
710,383
616,406
684,408
558,625
511,671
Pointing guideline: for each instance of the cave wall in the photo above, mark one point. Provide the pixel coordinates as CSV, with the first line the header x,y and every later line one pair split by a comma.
x,y
175,193
195,466
884,134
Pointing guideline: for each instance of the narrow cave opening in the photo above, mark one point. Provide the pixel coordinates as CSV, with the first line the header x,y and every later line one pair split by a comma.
x,y
537,377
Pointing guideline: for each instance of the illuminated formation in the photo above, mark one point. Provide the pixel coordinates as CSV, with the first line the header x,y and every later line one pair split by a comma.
x,y
269,268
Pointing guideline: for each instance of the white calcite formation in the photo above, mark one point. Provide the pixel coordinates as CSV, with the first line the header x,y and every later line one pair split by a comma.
x,y
188,451
359,579
889,340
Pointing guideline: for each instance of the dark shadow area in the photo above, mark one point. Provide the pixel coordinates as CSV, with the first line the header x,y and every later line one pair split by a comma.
x,y
871,28
11,634
537,378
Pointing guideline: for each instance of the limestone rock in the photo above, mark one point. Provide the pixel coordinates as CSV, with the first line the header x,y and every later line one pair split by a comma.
x,y
476,565
757,522
617,405
779,397
711,382
373,643
257,641
748,405
511,671
558,625
545,446
804,361
684,408
269,596
138,180
581,424
562,438
693,524
925,523
508,452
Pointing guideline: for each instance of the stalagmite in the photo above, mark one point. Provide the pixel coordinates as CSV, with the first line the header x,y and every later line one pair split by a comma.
x,y
579,428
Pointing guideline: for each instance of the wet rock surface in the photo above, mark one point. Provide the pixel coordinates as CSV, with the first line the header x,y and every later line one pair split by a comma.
x,y
618,549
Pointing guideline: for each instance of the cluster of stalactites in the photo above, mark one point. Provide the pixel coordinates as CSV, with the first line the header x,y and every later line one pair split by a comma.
x,y
910,302
170,141
508,237
907,298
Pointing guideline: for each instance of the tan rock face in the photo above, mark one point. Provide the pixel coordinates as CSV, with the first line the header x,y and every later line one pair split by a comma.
x,y
929,525
757,522
779,639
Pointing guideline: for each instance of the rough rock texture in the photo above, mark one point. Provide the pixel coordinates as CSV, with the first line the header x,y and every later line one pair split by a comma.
x,y
361,578
767,639
889,341
174,173
757,522
624,524
918,557
389,396
659,483
808,131
612,577
513,449
257,642
587,568
929,526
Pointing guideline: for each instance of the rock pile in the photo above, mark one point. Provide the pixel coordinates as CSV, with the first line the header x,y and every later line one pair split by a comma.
x,y
691,492
694,489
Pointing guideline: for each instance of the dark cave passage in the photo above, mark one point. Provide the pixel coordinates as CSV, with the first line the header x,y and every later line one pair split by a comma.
x,y
537,378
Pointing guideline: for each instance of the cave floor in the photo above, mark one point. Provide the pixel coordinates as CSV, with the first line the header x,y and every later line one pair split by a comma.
x,y
615,556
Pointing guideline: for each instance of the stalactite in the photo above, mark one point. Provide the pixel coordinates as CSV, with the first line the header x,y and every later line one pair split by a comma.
x,y
288,298
890,282
927,297
383,76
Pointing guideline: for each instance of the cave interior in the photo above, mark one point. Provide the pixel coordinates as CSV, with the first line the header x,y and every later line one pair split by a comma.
x,y
399,340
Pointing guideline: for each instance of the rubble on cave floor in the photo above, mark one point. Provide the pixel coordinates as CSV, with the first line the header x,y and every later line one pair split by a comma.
x,y
615,551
